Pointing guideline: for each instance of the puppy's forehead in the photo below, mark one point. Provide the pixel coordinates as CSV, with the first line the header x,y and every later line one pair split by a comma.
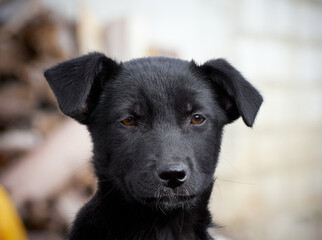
x,y
156,72
161,81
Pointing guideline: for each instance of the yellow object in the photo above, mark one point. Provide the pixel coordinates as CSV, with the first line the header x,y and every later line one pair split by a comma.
x,y
11,227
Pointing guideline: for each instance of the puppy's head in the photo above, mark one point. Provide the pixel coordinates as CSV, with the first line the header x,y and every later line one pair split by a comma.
x,y
156,123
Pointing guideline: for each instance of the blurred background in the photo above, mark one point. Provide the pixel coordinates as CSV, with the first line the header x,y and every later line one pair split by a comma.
x,y
269,178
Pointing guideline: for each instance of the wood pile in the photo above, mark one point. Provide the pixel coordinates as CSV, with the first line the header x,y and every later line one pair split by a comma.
x,y
44,157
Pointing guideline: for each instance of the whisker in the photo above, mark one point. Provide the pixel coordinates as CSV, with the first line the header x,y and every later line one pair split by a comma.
x,y
230,181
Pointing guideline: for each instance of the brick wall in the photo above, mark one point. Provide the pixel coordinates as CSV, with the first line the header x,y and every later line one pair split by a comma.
x,y
270,181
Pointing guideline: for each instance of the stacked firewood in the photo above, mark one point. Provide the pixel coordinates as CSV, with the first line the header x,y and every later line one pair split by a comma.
x,y
43,156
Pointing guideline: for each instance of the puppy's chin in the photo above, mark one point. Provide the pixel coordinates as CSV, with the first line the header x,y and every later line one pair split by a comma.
x,y
161,198
167,204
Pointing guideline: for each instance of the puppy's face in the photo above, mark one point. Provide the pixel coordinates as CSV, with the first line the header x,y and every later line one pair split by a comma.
x,y
156,123
157,130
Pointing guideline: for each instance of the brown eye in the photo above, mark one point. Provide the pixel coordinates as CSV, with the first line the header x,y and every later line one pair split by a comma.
x,y
130,121
197,119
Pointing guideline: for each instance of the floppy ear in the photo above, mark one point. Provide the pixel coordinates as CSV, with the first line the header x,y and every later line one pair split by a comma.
x,y
77,83
236,96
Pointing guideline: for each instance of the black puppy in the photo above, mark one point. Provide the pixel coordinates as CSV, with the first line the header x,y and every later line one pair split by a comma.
x,y
156,125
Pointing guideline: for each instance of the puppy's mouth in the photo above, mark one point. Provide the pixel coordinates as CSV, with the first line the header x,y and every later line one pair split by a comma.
x,y
168,199
164,198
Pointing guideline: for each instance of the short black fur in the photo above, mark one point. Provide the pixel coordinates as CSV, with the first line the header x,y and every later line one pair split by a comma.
x,y
156,125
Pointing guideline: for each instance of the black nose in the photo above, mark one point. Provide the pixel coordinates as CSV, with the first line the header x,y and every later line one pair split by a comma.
x,y
173,175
